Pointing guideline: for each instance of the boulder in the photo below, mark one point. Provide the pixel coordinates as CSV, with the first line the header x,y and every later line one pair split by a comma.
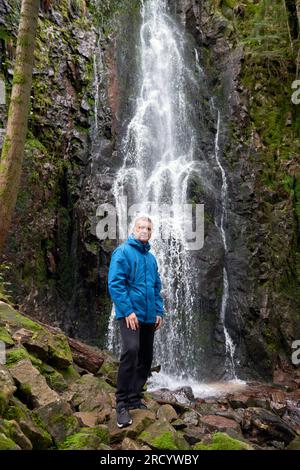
x,y
219,423
221,441
294,444
30,425
32,385
162,436
5,336
167,412
141,419
87,419
266,426
58,419
12,430
7,444
96,438
190,418
91,393
7,388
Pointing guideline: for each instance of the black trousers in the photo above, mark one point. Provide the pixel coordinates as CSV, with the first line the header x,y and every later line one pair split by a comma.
x,y
135,362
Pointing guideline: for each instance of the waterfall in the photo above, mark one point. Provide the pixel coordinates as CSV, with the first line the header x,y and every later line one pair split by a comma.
x,y
220,223
161,151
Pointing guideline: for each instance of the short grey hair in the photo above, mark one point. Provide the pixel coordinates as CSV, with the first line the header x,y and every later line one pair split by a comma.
x,y
142,217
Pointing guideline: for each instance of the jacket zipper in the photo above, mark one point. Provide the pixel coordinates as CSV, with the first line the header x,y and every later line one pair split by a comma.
x,y
134,270
146,287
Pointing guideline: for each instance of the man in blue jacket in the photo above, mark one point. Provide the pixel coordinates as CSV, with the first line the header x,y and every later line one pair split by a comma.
x,y
134,285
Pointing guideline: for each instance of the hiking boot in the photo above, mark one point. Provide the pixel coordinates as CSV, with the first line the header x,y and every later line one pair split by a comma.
x,y
139,405
123,417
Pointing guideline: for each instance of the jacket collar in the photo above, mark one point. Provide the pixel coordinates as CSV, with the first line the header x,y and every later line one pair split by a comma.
x,y
142,247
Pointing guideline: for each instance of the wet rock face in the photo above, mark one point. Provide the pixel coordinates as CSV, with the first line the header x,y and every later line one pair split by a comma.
x,y
59,274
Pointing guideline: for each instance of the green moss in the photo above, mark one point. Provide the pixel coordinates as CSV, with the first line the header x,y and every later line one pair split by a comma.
x,y
24,393
7,313
5,149
165,441
222,441
70,374
6,443
16,412
110,370
230,3
54,379
6,336
3,403
297,198
15,355
19,78
59,351
86,438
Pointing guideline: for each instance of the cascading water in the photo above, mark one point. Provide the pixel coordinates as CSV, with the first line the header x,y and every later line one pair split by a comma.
x,y
161,150
220,223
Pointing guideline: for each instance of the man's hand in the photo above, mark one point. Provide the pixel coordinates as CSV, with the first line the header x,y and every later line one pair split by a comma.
x,y
132,321
158,322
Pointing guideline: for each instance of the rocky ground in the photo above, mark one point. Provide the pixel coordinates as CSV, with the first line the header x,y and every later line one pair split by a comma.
x,y
58,393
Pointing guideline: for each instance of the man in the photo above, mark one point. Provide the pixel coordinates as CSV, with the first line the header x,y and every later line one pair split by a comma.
x,y
134,285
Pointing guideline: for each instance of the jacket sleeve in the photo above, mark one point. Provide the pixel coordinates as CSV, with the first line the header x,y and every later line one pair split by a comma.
x,y
159,303
117,275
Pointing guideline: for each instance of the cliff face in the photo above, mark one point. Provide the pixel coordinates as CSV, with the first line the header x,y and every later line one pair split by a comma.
x,y
252,76
56,265
53,260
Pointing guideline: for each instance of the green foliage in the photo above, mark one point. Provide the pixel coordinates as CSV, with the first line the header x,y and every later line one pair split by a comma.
x,y
5,293
265,31
106,12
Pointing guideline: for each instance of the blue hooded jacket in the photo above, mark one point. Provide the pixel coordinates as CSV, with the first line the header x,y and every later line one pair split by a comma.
x,y
134,282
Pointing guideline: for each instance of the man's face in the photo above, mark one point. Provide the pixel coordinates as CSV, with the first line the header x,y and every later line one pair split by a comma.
x,y
143,230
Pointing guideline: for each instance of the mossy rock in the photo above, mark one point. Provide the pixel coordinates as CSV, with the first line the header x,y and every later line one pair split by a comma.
x,y
221,441
91,393
30,424
110,370
15,319
19,353
294,444
96,438
70,374
5,336
15,355
54,379
161,435
7,444
51,347
57,418
7,388
59,351
230,3
12,430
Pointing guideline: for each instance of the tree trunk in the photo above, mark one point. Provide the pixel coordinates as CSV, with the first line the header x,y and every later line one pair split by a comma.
x,y
14,142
